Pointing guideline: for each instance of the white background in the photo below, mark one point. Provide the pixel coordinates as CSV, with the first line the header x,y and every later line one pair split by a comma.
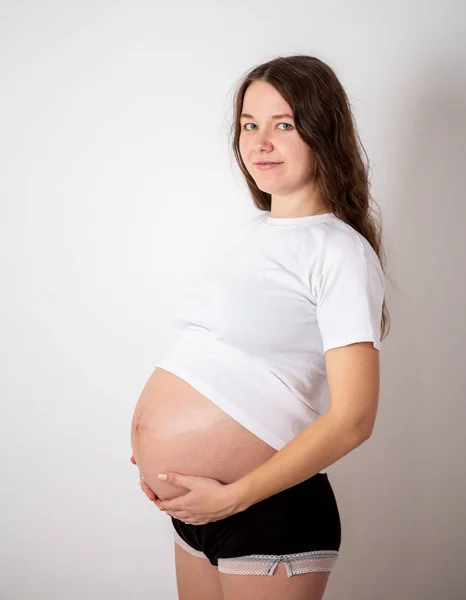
x,y
117,182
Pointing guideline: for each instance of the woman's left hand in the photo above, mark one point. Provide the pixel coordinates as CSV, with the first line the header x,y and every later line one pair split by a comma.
x,y
207,501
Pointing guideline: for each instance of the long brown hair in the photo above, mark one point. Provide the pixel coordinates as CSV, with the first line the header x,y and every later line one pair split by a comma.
x,y
324,120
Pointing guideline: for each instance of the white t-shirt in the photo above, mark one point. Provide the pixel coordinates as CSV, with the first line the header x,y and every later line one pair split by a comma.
x,y
252,330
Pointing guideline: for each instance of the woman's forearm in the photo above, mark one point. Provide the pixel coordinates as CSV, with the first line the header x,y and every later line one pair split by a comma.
x,y
322,443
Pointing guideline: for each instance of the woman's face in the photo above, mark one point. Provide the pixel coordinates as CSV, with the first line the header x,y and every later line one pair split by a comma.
x,y
264,138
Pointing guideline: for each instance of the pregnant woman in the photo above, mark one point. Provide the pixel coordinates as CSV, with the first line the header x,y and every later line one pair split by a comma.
x,y
274,374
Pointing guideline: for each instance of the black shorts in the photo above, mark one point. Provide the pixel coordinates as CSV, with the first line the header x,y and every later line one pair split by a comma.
x,y
299,526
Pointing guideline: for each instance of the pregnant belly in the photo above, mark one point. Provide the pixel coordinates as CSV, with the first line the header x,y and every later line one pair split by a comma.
x,y
175,428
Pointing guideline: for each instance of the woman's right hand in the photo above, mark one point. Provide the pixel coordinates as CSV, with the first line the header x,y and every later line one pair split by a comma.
x,y
146,489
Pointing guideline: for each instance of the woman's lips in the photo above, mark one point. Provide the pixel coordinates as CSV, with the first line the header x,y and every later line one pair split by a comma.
x,y
266,167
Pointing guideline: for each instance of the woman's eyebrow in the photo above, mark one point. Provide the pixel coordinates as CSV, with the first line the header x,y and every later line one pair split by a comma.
x,y
284,115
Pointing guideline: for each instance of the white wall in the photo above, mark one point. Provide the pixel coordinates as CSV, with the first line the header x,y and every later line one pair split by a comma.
x,y
117,182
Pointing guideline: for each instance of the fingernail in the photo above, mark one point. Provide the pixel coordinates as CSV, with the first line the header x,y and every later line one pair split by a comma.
x,y
162,476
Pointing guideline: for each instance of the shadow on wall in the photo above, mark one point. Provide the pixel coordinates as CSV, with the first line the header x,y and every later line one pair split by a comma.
x,y
422,510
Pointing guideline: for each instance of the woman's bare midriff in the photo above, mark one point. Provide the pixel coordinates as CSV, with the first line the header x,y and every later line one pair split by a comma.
x,y
175,428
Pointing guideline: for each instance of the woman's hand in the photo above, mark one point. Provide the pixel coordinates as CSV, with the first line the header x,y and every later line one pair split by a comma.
x,y
146,489
207,500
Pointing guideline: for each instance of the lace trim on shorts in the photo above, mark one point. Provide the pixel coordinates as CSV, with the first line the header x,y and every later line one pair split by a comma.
x,y
180,541
265,564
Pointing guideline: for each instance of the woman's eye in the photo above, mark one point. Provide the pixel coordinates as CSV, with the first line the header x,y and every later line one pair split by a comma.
x,y
288,124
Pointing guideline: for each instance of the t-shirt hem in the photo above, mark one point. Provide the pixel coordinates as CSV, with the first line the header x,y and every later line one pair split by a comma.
x,y
260,401
219,400
351,339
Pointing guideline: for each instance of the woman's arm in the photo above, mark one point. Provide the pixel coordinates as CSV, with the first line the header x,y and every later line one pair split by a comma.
x,y
353,380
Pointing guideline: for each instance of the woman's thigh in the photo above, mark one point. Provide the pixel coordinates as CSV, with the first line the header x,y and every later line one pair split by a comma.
x,y
306,586
196,578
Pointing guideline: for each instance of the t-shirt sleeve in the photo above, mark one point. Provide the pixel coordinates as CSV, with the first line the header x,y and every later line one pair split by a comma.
x,y
349,291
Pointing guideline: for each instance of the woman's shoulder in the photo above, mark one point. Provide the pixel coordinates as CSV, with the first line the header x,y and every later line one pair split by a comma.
x,y
341,238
